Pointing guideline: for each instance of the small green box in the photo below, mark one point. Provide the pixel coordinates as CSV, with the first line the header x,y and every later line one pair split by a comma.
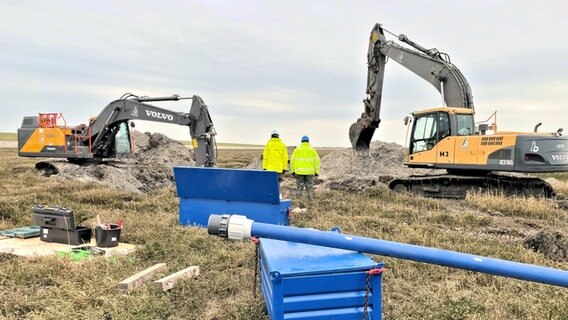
x,y
23,232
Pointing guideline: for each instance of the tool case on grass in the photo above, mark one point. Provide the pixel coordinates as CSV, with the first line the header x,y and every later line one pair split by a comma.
x,y
57,224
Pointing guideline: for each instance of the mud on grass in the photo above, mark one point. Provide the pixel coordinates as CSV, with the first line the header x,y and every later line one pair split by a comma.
x,y
56,288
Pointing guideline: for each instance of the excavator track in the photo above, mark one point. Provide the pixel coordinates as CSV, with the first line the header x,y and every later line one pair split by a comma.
x,y
457,186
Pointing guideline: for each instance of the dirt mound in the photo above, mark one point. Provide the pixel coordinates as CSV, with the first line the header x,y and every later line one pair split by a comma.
x,y
552,244
255,163
162,151
149,169
348,170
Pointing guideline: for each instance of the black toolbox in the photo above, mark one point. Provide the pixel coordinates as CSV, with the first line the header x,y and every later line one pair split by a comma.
x,y
58,225
80,235
53,217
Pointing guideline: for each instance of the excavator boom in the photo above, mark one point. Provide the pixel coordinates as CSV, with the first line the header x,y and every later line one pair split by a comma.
x,y
430,64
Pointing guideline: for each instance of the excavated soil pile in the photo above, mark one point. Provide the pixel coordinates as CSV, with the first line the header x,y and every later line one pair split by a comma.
x,y
346,170
552,244
149,169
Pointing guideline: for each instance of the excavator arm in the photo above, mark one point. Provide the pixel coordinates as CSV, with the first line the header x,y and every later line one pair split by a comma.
x,y
102,130
430,64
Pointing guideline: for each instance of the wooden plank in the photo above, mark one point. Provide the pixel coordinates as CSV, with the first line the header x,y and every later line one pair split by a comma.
x,y
169,282
141,277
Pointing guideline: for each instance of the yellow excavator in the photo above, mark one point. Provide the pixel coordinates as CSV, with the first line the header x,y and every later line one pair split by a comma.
x,y
448,137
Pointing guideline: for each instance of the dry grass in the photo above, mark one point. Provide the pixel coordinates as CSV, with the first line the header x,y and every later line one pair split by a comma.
x,y
563,176
8,136
420,291
559,182
538,208
56,288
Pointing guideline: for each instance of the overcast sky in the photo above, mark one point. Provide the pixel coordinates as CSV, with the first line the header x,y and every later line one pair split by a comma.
x,y
295,66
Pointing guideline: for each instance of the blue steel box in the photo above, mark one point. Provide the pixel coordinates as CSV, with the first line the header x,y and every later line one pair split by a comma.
x,y
251,193
301,281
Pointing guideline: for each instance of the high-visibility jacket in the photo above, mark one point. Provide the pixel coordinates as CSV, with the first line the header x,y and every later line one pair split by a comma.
x,y
305,160
275,156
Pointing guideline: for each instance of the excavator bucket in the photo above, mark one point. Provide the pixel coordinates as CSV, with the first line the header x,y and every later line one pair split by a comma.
x,y
360,134
202,134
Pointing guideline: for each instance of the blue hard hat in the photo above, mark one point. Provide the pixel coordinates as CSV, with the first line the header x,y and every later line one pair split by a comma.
x,y
305,139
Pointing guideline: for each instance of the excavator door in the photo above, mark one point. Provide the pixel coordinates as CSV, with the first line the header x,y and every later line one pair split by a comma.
x,y
122,143
430,142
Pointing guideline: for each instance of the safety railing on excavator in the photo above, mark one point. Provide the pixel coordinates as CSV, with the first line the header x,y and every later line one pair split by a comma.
x,y
82,138
49,120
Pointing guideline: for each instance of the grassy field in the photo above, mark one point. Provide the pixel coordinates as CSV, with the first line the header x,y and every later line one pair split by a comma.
x,y
57,288
8,136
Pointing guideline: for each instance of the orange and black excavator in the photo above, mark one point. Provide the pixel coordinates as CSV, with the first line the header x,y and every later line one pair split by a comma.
x,y
447,137
108,135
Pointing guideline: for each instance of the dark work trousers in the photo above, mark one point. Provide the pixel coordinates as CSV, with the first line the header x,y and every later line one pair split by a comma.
x,y
305,181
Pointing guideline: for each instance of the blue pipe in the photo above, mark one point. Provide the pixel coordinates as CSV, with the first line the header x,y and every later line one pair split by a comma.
x,y
238,227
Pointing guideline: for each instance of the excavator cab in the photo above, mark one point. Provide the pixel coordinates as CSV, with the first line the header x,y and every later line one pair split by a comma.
x,y
432,133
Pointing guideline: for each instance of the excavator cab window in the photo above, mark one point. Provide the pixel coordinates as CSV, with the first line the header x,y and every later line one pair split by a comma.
x,y
465,124
425,133
122,141
444,125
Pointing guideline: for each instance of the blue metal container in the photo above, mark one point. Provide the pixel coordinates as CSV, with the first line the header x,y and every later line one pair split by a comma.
x,y
302,281
252,193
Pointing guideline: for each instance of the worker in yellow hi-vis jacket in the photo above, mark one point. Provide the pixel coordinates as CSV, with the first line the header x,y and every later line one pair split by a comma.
x,y
275,155
304,165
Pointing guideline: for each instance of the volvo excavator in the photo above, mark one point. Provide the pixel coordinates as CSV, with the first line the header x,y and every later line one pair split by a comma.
x,y
447,137
107,136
